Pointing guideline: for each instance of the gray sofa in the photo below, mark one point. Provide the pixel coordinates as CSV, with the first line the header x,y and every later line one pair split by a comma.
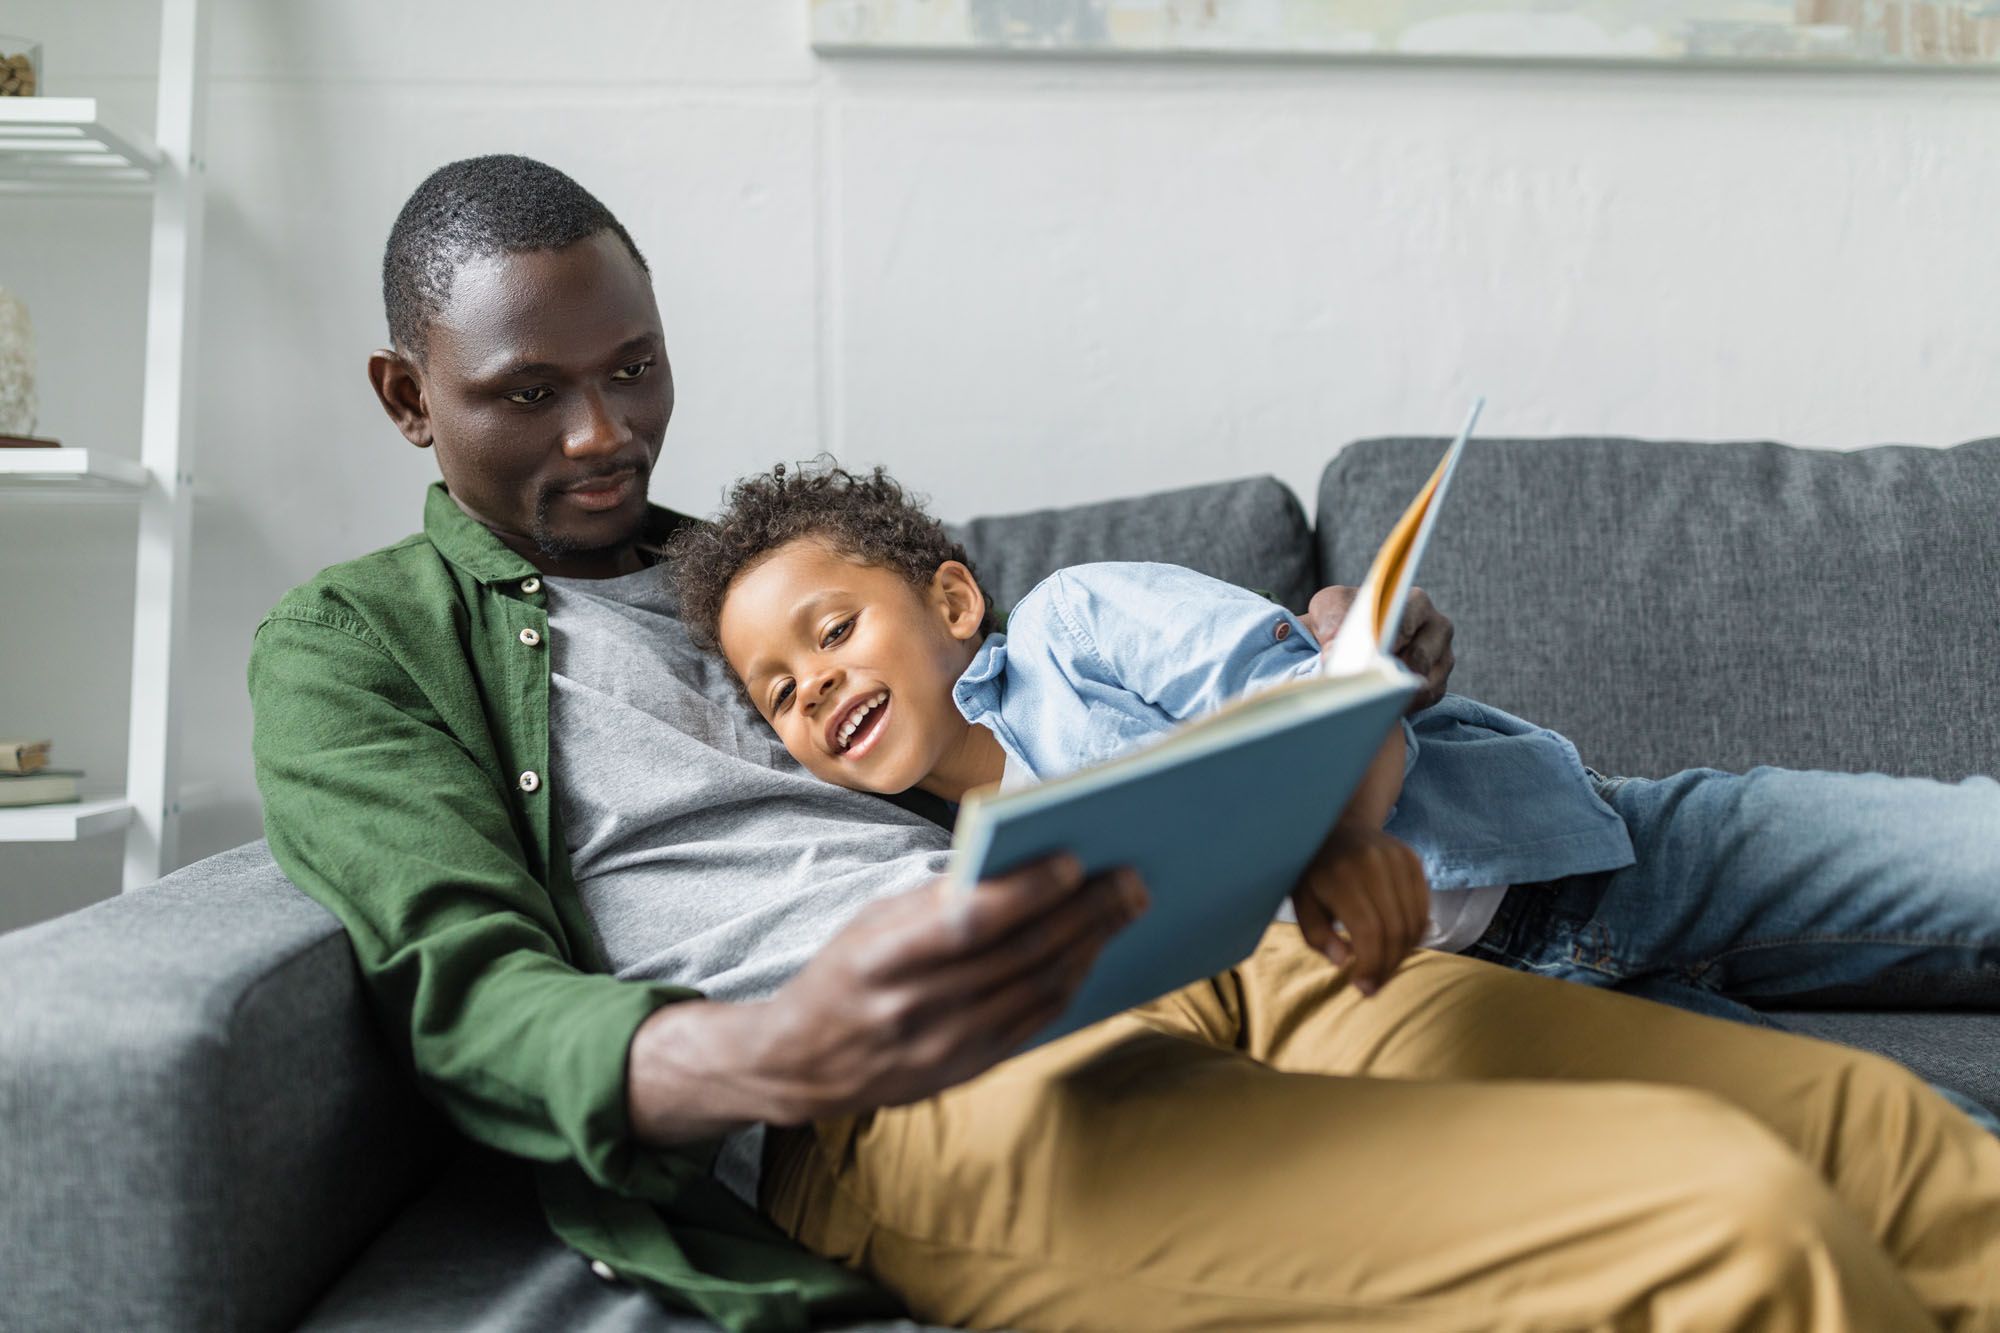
x,y
202,1129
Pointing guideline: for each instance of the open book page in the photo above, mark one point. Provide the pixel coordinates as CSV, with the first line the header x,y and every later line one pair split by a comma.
x,y
1369,631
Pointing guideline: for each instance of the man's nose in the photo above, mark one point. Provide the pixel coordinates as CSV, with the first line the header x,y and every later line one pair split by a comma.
x,y
597,431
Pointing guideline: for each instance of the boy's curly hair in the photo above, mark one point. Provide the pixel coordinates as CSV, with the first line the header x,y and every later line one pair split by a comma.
x,y
867,517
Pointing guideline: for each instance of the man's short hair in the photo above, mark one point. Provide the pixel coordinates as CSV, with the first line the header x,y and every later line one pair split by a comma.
x,y
866,517
480,206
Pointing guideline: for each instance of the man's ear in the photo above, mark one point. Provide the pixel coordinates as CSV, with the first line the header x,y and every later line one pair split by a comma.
x,y
957,596
400,387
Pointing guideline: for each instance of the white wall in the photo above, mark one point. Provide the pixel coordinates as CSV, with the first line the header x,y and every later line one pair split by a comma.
x,y
1015,282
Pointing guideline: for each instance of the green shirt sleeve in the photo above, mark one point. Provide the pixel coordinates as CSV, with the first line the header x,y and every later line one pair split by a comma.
x,y
377,807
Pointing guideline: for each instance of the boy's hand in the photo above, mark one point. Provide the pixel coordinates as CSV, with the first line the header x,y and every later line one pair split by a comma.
x,y
1423,642
1374,887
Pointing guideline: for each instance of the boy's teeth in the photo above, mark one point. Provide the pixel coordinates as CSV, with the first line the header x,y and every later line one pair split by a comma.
x,y
848,727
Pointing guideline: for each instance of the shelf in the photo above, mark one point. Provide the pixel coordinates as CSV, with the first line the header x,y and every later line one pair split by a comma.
x,y
51,144
44,470
66,822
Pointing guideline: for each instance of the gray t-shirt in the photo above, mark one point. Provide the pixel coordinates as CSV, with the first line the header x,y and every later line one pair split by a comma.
x,y
705,855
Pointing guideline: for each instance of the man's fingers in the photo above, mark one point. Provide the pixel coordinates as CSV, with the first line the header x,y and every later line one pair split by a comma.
x,y
1327,609
1087,919
940,922
1424,645
982,1027
1418,612
1428,648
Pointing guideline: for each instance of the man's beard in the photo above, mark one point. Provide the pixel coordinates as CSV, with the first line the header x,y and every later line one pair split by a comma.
x,y
557,546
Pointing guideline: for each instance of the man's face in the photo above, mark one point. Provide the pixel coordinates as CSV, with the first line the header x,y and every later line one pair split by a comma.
x,y
546,391
852,664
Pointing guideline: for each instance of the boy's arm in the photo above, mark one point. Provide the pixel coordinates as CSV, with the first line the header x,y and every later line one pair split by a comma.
x,y
1381,785
1179,640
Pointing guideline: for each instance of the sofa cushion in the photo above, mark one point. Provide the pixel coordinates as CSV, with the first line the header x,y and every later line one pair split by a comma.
x,y
1959,1051
473,1255
202,1128
1673,605
1251,533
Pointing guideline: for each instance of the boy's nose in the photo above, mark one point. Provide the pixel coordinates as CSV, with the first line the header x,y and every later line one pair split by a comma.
x,y
821,688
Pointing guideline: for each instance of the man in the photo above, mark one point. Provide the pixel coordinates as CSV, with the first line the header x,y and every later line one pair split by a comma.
x,y
492,752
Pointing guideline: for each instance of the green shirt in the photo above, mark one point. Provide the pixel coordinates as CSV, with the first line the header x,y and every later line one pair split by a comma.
x,y
402,750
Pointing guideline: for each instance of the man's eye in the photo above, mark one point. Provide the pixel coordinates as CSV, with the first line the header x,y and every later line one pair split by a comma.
x,y
781,697
529,397
633,371
837,633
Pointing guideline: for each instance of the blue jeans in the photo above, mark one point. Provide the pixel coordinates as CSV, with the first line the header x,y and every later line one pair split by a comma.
x,y
1774,886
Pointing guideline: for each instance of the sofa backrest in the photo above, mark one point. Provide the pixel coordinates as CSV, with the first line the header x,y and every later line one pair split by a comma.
x,y
1669,605
1252,533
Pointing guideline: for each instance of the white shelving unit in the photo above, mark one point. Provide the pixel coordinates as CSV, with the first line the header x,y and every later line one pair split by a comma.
x,y
49,470
61,145
66,823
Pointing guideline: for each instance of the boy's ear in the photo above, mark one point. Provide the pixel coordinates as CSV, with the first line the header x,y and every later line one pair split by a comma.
x,y
957,596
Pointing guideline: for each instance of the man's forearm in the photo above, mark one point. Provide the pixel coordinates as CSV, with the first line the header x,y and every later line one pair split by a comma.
x,y
1381,785
692,1073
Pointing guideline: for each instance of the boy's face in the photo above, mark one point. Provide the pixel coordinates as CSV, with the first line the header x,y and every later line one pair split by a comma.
x,y
852,664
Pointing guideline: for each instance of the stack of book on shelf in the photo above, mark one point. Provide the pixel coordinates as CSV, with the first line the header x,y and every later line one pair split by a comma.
x,y
26,778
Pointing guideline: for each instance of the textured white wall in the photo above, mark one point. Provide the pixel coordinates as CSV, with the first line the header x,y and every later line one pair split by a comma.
x,y
1017,283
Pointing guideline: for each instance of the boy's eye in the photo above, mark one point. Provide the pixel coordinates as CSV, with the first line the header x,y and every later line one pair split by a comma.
x,y
633,371
781,696
529,397
836,633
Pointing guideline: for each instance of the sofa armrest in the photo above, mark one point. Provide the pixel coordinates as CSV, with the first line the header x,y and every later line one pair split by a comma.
x,y
202,1126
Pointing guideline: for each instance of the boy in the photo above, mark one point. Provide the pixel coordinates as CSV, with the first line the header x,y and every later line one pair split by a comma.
x,y
803,565
860,633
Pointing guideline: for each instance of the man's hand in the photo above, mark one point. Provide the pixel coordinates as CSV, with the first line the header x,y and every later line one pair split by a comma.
x,y
1374,887
920,991
1423,643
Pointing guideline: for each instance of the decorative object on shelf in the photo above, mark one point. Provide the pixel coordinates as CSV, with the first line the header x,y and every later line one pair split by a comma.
x,y
48,787
28,442
20,66
17,367
1895,33
23,756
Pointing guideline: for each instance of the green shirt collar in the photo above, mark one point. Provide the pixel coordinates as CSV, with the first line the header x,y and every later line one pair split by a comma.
x,y
471,546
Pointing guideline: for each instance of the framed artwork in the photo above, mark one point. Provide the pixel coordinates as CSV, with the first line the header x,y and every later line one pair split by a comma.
x,y
1816,32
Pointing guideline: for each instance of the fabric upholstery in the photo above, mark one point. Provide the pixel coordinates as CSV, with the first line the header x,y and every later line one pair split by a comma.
x,y
473,1255
201,1127
1960,1050
1669,605
1251,533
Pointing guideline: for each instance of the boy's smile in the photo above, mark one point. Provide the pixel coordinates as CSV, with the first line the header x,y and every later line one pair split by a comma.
x,y
853,667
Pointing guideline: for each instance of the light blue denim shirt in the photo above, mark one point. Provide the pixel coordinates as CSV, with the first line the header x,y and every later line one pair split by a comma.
x,y
1098,659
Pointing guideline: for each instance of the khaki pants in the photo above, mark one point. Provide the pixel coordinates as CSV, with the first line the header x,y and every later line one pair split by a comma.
x,y
1474,1148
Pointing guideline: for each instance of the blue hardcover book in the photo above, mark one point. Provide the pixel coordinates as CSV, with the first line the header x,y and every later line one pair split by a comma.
x,y
1222,816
